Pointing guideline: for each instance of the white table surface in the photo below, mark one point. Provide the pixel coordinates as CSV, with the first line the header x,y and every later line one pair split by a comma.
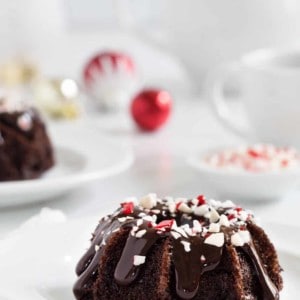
x,y
160,166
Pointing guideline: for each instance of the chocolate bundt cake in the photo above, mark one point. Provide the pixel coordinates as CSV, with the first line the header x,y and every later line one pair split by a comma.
x,y
179,249
25,148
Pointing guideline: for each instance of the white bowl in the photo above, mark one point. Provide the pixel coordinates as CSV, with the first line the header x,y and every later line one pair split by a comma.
x,y
242,185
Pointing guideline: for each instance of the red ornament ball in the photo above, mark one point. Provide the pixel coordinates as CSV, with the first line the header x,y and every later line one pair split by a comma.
x,y
151,108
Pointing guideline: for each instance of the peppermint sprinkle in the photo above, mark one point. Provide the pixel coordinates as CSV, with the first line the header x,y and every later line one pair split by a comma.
x,y
214,227
139,222
227,204
172,207
245,235
224,221
215,239
188,230
240,238
186,245
201,210
214,216
243,215
140,233
197,226
139,260
175,235
148,201
184,208
181,231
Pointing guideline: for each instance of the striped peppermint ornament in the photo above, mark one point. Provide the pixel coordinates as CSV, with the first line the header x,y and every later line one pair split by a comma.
x,y
111,79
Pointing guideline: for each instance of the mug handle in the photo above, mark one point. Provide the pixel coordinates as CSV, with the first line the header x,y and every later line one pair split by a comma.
x,y
215,89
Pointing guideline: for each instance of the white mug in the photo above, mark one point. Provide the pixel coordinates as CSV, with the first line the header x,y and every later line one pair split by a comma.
x,y
203,33
268,81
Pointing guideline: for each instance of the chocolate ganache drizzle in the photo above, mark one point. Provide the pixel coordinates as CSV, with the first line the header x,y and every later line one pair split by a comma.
x,y
198,231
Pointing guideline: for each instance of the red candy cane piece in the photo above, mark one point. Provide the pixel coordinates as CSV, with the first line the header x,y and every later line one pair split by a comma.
x,y
166,224
127,208
201,199
178,204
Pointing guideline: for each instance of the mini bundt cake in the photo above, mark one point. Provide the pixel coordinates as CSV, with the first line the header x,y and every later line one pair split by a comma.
x,y
25,148
179,249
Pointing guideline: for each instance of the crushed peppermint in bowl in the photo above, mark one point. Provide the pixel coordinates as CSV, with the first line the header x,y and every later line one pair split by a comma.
x,y
252,173
259,158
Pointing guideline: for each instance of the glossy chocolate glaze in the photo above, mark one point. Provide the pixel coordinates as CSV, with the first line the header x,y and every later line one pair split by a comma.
x,y
192,254
269,290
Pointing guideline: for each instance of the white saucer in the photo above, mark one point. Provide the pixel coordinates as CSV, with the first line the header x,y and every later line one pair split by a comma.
x,y
45,268
82,155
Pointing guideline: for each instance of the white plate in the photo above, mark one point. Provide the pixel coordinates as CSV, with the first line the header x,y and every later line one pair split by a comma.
x,y
241,185
45,268
82,155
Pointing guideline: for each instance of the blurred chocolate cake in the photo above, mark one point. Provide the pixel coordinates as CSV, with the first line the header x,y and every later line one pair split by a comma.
x,y
25,149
